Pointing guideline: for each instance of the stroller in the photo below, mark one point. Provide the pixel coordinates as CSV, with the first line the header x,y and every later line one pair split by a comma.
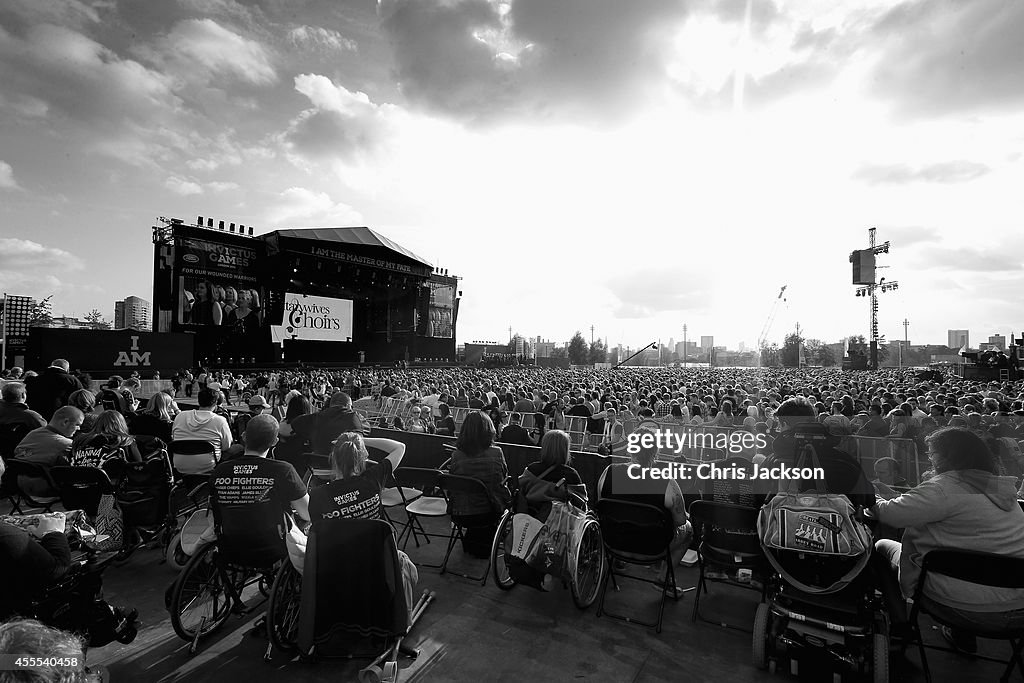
x,y
820,610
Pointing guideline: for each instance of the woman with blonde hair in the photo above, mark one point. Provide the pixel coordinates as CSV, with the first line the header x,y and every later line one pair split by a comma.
x,y
84,400
356,489
554,466
230,302
157,419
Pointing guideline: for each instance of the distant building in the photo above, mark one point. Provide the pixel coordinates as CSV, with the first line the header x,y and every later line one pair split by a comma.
x,y
743,346
958,339
998,341
543,348
706,343
132,313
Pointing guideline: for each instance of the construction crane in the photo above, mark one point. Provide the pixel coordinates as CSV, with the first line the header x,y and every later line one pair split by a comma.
x,y
771,318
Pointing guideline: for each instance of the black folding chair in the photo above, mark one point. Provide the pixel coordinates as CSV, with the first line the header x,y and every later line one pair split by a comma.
x,y
636,533
986,569
81,488
463,493
184,450
728,540
18,473
10,436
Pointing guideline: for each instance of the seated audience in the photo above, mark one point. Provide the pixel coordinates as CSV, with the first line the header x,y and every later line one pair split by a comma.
x,y
554,466
201,424
477,457
966,505
30,560
108,439
616,484
321,429
157,419
14,410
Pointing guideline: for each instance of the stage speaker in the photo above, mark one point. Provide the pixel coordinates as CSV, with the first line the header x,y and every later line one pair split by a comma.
x,y
863,261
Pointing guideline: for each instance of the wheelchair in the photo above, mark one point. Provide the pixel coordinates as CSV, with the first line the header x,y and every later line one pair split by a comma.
x,y
250,551
591,561
75,601
155,500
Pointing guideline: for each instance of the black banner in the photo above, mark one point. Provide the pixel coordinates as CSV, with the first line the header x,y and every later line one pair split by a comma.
x,y
110,352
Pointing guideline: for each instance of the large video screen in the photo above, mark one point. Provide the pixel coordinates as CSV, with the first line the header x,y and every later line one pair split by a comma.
x,y
440,316
314,318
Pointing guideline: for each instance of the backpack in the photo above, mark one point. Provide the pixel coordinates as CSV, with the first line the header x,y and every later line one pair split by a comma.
x,y
814,523
113,400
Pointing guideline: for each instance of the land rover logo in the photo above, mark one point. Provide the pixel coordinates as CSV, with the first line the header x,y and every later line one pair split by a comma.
x,y
190,258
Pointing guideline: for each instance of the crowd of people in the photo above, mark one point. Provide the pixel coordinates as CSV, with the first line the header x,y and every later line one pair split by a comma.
x,y
969,431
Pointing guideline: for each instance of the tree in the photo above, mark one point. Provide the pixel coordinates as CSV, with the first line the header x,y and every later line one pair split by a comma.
x,y
597,352
96,321
42,313
577,349
826,358
770,357
560,352
790,354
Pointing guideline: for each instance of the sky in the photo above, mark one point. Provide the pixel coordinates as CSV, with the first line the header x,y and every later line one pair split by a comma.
x,y
634,166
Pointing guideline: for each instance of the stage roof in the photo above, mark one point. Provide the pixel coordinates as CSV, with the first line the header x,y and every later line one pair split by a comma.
x,y
362,236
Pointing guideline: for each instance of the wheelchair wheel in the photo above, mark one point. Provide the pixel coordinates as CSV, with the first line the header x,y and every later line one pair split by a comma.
x,y
590,565
200,601
283,608
759,649
499,547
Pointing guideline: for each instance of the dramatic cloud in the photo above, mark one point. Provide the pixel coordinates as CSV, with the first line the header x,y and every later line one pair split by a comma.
x,y
7,181
203,49
340,122
947,172
473,59
943,58
298,204
27,256
123,108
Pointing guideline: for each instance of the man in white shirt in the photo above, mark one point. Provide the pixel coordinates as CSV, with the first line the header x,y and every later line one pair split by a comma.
x,y
201,424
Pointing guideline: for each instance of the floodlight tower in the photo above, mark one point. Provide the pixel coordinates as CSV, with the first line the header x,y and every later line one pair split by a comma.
x,y
863,261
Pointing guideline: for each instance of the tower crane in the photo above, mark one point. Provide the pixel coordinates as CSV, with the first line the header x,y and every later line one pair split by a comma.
x,y
771,318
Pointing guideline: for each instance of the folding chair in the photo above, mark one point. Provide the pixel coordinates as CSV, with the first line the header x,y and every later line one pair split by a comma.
x,y
396,494
18,473
986,569
10,436
728,540
81,488
462,494
425,505
192,457
636,533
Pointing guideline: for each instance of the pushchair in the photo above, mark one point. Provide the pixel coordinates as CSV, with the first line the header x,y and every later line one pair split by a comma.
x,y
585,560
820,610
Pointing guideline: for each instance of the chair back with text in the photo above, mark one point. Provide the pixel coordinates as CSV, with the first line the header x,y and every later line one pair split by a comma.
x,y
351,583
728,533
251,534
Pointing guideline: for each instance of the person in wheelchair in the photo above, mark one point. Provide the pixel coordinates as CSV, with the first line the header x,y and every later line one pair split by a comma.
x,y
30,560
356,488
40,580
108,439
253,478
537,484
